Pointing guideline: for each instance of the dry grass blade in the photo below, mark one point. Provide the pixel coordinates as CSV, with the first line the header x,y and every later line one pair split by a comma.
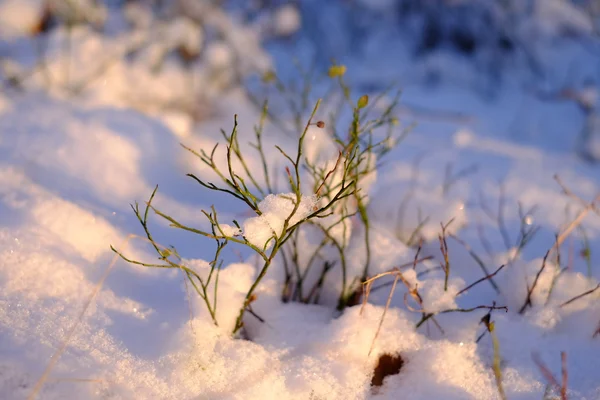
x,y
497,361
413,263
387,305
572,195
58,353
398,276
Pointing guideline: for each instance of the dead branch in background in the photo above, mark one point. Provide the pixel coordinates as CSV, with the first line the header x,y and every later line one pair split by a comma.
x,y
560,387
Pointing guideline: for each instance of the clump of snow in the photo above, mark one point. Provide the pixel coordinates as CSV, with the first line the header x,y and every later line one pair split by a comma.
x,y
416,211
229,230
435,298
318,146
19,17
138,14
287,20
341,232
325,358
218,54
258,232
179,123
276,209
185,33
85,11
546,318
463,137
514,284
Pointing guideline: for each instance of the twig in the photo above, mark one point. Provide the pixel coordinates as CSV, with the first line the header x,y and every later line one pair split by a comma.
x,y
561,238
337,162
477,260
394,270
570,193
461,310
580,296
444,249
415,261
576,222
487,277
532,288
450,180
387,305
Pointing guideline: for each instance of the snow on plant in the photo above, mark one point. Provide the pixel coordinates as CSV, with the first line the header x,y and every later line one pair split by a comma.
x,y
359,149
275,210
328,195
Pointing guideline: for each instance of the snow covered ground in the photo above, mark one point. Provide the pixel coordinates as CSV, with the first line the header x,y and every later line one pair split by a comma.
x,y
77,322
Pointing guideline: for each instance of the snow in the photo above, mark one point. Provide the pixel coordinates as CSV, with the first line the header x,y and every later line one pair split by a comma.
x,y
287,20
278,212
71,162
18,17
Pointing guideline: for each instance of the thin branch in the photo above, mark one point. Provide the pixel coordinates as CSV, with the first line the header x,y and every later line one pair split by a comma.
x,y
490,276
532,288
477,259
580,296
461,310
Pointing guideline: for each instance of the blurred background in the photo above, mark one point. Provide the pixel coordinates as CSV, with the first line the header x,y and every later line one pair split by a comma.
x,y
524,70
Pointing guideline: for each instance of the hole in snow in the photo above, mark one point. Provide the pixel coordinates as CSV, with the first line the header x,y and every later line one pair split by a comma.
x,y
387,365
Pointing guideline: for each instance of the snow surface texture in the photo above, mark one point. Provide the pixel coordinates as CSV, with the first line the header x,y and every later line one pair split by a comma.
x,y
69,166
